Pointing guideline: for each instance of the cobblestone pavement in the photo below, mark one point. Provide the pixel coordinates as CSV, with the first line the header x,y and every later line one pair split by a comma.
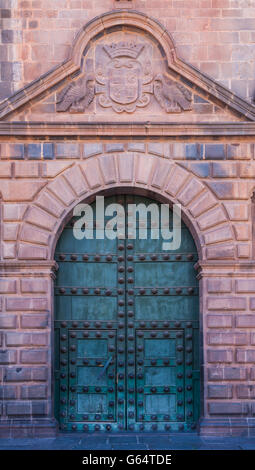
x,y
130,442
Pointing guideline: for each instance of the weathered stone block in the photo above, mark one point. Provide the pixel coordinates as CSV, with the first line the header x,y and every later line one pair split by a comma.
x,y
7,356
193,188
237,210
219,285
228,408
220,355
91,149
33,391
224,170
28,251
215,151
26,303
34,356
144,168
160,174
245,285
75,178
245,391
126,168
220,391
26,169
67,150
92,172
108,169
33,151
239,339
8,321
245,321
26,339
245,355
8,286
220,234
62,191
176,181
33,285
34,321
226,303
8,392
219,321
205,202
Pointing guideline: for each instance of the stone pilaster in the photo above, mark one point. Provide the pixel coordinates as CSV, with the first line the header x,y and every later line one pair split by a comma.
x,y
26,349
227,292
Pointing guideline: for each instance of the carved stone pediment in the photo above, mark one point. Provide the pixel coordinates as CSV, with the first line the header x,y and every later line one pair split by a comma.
x,y
123,67
124,76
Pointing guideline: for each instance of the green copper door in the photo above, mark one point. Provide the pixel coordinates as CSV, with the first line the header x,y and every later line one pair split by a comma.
x,y
126,332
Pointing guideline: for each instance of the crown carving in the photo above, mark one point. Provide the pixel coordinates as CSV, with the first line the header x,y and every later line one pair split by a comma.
x,y
128,49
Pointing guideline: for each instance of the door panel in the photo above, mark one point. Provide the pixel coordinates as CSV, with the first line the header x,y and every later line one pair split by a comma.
x,y
126,333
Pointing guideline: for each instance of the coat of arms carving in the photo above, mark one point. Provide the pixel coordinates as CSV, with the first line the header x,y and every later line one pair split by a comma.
x,y
125,83
123,76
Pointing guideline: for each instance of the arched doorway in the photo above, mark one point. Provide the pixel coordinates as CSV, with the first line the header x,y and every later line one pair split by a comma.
x,y
126,332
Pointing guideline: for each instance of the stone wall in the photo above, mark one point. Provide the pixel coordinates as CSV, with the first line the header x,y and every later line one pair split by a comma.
x,y
41,181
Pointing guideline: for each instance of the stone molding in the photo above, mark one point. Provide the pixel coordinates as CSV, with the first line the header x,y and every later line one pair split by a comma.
x,y
147,129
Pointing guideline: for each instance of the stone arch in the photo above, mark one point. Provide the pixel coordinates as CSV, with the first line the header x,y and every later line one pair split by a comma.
x,y
118,19
133,172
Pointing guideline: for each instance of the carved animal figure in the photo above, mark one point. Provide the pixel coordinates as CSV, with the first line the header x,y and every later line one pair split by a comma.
x,y
171,96
77,96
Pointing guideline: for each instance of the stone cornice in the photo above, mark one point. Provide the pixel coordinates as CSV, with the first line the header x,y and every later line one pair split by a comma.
x,y
29,268
221,268
126,129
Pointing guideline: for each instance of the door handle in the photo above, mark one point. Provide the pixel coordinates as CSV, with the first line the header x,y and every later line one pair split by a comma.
x,y
105,368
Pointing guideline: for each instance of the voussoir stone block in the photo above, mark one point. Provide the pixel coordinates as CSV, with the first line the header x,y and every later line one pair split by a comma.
x,y
221,252
61,190
41,218
92,173
221,234
193,188
237,210
211,218
34,235
205,202
75,178
126,167
177,179
107,165
160,174
144,166
48,202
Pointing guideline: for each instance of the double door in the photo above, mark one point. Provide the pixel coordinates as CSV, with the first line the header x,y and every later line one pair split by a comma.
x,y
126,332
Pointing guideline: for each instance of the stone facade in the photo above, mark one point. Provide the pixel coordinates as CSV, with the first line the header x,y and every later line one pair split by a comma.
x,y
177,136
